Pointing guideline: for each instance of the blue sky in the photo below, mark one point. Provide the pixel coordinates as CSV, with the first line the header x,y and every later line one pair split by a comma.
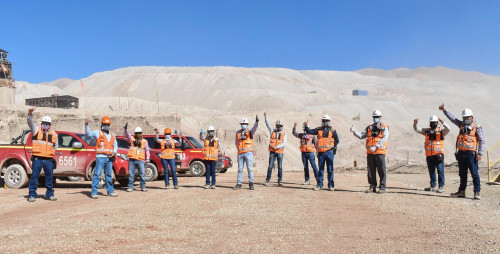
x,y
53,39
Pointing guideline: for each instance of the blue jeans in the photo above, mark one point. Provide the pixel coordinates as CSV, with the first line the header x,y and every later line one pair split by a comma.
x,y
48,167
210,166
132,166
432,164
242,158
325,158
272,157
467,161
166,164
309,157
100,164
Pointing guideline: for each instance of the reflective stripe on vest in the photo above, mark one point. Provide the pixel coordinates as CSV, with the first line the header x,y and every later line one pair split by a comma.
x,y
325,143
103,145
372,141
276,140
168,149
43,144
137,153
211,149
467,142
245,144
306,144
434,144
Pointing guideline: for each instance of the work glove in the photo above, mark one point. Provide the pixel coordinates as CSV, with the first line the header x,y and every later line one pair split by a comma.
x,y
201,131
257,118
373,148
125,126
352,128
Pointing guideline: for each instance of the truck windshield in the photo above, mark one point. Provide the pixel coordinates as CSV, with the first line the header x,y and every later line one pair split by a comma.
x,y
89,140
195,142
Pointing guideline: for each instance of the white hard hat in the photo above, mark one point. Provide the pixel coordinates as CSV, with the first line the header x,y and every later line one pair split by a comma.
x,y
433,119
46,119
279,122
138,129
325,117
467,112
244,120
377,113
210,128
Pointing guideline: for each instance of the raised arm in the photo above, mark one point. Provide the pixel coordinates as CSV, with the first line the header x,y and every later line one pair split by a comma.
x,y
127,134
446,127
298,135
416,128
31,122
450,116
255,125
269,127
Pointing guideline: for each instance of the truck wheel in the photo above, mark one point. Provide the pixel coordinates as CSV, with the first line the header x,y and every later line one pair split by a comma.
x,y
15,176
150,172
197,168
224,170
74,178
123,182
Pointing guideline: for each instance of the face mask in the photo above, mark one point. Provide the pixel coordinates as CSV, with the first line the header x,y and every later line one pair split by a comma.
x,y
167,136
468,121
138,136
279,128
210,133
105,127
45,127
434,125
325,123
244,126
376,120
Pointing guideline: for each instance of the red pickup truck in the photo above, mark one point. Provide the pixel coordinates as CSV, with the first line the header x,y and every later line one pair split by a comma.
x,y
189,154
75,156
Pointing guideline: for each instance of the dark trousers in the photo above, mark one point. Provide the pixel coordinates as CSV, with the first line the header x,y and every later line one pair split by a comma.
x,y
210,166
272,157
166,164
376,162
467,161
432,165
325,158
48,167
309,157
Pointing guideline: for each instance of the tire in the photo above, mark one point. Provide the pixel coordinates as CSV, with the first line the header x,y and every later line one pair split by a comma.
x,y
74,178
150,172
197,169
224,170
15,176
123,182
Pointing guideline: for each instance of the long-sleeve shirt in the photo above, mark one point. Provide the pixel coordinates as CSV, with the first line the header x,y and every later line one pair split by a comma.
x,y
479,130
95,134
282,145
129,137
34,129
300,135
203,137
315,132
252,132
364,135
423,131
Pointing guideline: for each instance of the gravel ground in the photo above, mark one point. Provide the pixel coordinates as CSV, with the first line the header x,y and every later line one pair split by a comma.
x,y
271,219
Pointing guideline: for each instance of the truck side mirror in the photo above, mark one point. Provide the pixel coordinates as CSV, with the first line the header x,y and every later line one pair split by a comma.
x,y
77,145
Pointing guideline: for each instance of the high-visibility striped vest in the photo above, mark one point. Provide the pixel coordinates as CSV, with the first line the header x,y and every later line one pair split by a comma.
x,y
325,140
137,153
276,140
103,145
168,149
43,144
372,140
434,142
306,144
211,149
245,142
467,140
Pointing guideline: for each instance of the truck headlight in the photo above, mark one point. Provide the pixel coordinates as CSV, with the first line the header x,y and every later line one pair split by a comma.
x,y
122,156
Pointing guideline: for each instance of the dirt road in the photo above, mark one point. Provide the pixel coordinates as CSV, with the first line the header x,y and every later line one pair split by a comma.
x,y
268,220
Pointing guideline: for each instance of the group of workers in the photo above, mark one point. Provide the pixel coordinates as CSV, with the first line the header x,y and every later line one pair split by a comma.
x,y
321,142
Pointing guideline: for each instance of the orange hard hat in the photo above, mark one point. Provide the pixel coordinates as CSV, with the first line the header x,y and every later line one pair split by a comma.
x,y
168,131
106,120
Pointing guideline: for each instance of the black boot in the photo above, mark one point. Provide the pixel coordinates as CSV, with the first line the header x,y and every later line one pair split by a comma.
x,y
250,185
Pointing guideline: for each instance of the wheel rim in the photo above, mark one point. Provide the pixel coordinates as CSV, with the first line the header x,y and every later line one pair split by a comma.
x,y
14,177
148,173
197,169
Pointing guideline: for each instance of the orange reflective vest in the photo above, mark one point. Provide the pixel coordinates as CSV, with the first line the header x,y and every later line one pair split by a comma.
x,y
276,140
103,145
168,149
306,144
43,145
137,153
372,141
245,142
434,142
211,149
467,140
325,143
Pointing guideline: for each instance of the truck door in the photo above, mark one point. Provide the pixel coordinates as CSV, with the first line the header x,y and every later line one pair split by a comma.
x,y
71,155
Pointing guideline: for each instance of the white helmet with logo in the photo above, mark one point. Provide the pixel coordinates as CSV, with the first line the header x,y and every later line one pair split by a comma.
x,y
377,113
467,112
325,118
210,128
279,123
244,120
138,130
46,119
433,119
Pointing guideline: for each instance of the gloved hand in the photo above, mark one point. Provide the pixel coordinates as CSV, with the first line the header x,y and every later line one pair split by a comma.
x,y
256,118
352,128
125,126
373,148
201,131
334,150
